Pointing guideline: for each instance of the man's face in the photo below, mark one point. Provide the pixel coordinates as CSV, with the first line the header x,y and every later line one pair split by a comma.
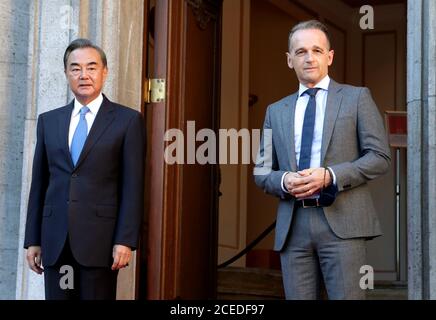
x,y
309,56
86,74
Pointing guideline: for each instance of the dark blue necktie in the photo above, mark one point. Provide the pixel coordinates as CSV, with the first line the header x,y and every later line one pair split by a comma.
x,y
79,136
308,128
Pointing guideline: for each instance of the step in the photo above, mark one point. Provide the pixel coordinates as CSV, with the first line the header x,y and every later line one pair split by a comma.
x,y
250,283
256,283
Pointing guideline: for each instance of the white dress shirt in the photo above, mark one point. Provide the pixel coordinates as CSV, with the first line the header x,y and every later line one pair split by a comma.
x,y
93,106
300,110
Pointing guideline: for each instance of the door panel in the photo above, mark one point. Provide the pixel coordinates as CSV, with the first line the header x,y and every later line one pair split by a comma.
x,y
183,207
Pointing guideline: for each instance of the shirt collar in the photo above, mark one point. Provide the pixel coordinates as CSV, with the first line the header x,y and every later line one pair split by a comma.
x,y
323,84
93,106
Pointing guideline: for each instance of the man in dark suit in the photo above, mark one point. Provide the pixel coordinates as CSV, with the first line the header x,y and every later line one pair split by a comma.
x,y
86,197
325,142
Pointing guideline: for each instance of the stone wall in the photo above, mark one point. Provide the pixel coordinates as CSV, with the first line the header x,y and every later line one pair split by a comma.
x,y
52,25
14,36
34,36
421,153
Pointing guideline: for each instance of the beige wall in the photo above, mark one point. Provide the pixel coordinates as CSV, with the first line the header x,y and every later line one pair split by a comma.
x,y
270,80
234,114
384,72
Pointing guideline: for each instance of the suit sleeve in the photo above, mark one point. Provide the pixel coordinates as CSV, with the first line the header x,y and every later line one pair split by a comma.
x,y
132,184
267,175
374,157
38,188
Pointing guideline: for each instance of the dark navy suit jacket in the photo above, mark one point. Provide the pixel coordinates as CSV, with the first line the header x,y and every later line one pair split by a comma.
x,y
98,202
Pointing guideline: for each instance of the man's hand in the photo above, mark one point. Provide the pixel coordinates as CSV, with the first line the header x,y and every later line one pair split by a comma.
x,y
121,255
292,180
34,259
311,181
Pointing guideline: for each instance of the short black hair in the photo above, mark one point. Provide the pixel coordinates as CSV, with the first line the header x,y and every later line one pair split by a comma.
x,y
310,24
80,44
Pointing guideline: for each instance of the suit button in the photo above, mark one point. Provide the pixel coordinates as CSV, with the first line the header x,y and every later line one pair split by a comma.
x,y
75,175
68,201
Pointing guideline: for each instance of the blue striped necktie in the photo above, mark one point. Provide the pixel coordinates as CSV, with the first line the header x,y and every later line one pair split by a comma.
x,y
308,128
79,136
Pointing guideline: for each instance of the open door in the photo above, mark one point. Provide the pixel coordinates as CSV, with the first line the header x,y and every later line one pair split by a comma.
x,y
182,207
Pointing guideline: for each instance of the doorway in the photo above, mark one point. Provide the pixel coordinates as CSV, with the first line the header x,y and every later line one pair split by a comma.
x,y
255,74
179,244
226,80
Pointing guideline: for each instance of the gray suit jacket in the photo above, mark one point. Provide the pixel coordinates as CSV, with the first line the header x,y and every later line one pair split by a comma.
x,y
354,145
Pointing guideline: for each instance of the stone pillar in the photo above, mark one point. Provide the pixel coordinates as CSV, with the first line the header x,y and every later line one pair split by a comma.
x,y
421,106
53,25
51,28
117,26
14,25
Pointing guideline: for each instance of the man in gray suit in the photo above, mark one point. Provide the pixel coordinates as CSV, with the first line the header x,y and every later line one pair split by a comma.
x,y
325,142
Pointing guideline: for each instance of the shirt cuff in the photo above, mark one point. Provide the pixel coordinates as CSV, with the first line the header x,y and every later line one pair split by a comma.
x,y
334,176
283,183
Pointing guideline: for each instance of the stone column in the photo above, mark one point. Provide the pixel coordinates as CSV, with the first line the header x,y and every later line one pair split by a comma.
x,y
14,25
421,106
53,24
117,26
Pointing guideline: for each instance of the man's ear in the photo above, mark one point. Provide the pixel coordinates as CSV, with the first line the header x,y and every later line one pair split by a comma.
x,y
289,60
331,55
105,72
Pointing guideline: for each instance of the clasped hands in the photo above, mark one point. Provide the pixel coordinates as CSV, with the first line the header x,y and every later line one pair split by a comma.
x,y
306,183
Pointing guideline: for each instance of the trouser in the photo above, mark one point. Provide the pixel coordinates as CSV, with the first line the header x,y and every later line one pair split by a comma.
x,y
314,251
68,280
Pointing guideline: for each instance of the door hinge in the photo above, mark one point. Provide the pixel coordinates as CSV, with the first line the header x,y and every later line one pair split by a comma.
x,y
155,90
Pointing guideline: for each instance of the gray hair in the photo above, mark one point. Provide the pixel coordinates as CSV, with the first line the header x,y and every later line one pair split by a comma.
x,y
310,24
80,44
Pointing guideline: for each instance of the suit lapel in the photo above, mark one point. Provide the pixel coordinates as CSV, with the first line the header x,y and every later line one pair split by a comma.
x,y
64,127
105,116
333,105
288,129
